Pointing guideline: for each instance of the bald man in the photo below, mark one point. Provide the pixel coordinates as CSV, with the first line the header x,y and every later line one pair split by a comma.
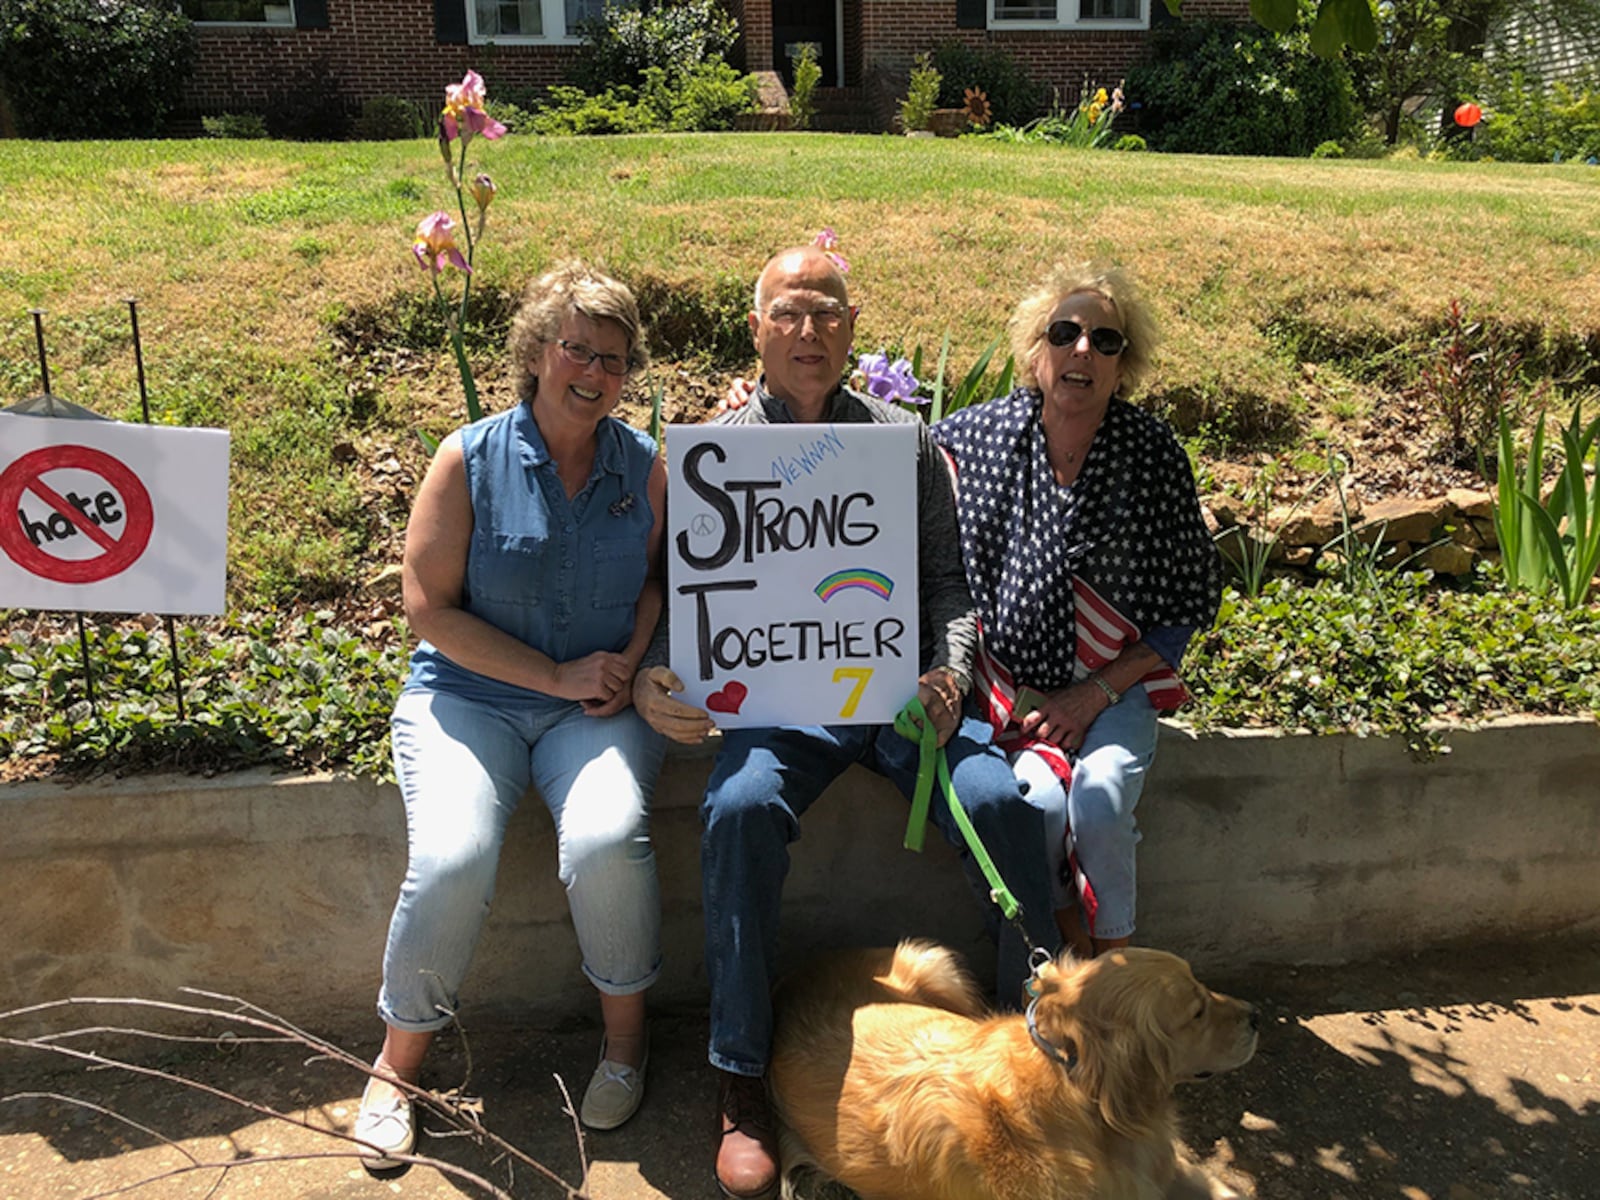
x,y
764,780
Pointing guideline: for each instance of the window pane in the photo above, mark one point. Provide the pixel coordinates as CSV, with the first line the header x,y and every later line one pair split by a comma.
x,y
253,11
1024,10
510,18
583,10
1107,10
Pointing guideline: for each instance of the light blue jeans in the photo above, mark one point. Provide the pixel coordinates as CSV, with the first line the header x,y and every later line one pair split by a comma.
x,y
1098,811
463,766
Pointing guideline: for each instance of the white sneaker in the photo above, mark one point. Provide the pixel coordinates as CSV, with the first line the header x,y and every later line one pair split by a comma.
x,y
614,1093
387,1125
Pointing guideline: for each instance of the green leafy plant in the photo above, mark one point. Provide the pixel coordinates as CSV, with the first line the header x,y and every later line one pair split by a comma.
x,y
1087,126
807,74
1013,95
243,126
1213,87
388,118
1555,540
705,97
627,40
922,95
92,68
1247,547
1326,660
1469,381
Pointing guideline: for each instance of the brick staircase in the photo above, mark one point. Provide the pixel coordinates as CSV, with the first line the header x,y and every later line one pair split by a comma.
x,y
843,110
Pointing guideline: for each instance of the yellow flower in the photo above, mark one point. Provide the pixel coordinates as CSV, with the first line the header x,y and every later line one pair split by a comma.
x,y
1100,98
1094,113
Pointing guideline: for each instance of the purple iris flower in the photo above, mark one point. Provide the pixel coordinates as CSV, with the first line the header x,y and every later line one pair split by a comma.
x,y
889,381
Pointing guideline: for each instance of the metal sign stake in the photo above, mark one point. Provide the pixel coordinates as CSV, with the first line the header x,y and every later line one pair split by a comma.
x,y
144,403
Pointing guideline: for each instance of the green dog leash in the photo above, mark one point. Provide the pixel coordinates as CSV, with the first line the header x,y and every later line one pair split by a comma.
x,y
914,724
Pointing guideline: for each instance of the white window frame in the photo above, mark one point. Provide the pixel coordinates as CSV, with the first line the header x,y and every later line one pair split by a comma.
x,y
1142,21
281,23
554,13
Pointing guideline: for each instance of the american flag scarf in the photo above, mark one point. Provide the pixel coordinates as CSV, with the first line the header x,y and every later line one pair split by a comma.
x,y
1064,577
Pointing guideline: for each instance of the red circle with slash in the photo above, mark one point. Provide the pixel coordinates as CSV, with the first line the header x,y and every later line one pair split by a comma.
x,y
117,554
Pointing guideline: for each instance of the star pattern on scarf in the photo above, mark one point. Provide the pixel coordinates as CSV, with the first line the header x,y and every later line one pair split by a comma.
x,y
1129,525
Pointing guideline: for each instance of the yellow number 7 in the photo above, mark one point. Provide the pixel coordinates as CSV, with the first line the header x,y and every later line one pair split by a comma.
x,y
861,675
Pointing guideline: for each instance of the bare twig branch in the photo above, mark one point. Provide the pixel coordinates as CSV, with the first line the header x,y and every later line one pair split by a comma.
x,y
459,1112
577,1132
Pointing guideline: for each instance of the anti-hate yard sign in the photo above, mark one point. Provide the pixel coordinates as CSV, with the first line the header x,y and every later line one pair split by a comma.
x,y
100,516
792,571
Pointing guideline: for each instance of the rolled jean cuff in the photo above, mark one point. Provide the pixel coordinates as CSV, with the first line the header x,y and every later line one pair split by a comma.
x,y
735,1068
624,989
432,1025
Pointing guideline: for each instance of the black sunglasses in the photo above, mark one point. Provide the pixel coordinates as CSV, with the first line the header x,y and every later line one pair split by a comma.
x,y
1106,340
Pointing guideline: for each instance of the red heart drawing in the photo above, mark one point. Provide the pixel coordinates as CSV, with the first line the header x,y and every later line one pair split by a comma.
x,y
729,698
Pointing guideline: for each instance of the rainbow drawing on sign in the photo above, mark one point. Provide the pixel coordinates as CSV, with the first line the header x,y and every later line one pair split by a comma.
x,y
876,582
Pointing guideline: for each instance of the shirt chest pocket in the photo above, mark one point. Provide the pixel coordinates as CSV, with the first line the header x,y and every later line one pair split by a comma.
x,y
511,568
619,570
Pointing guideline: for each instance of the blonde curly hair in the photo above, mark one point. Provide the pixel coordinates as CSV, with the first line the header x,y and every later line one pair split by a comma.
x,y
1032,315
570,287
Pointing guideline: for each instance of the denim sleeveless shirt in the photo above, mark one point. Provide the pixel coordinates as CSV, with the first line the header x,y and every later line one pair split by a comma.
x,y
562,576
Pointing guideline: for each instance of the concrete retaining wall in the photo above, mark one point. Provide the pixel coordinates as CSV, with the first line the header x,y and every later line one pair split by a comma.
x,y
1256,849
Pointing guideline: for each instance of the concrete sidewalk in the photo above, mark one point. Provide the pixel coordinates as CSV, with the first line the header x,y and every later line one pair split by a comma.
x,y
1470,1073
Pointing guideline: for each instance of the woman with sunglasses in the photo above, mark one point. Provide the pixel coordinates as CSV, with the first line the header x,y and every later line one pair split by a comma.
x,y
532,577
1091,568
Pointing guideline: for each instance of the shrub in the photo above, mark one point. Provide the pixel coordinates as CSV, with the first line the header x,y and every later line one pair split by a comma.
x,y
388,119
1470,379
92,68
1216,88
309,107
1130,141
922,95
657,70
708,96
241,126
620,46
1328,149
807,73
1014,97
1532,121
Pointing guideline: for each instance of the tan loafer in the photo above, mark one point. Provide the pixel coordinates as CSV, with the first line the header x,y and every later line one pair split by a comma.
x,y
614,1093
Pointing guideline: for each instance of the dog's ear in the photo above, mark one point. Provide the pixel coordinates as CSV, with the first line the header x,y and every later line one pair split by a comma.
x,y
1124,1055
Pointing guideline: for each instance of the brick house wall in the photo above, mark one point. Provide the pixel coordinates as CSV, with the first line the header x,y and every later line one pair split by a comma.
x,y
392,48
372,47
894,32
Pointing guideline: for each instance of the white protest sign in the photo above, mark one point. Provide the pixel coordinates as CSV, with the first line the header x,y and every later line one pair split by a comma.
x,y
101,516
792,571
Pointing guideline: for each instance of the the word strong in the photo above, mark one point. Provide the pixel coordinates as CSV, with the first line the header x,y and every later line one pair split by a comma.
x,y
792,571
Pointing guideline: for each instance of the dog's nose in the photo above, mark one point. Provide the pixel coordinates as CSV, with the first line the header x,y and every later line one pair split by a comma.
x,y
1255,1019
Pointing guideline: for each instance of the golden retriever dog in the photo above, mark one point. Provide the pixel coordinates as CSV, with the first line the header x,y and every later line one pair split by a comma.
x,y
890,1075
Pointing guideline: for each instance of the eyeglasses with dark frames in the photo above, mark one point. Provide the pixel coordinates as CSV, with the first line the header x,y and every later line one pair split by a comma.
x,y
1105,340
580,355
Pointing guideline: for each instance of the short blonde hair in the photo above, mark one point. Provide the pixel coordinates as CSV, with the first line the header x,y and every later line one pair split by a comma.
x,y
570,287
1032,315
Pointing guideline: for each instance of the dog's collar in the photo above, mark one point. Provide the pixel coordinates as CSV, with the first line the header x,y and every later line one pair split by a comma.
x,y
1065,1061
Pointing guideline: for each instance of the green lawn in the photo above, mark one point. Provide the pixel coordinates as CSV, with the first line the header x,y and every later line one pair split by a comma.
x,y
278,297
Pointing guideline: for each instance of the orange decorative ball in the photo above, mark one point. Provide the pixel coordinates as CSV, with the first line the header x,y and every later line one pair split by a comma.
x,y
1468,115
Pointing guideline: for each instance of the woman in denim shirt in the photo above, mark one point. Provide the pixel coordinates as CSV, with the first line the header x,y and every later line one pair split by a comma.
x,y
533,577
